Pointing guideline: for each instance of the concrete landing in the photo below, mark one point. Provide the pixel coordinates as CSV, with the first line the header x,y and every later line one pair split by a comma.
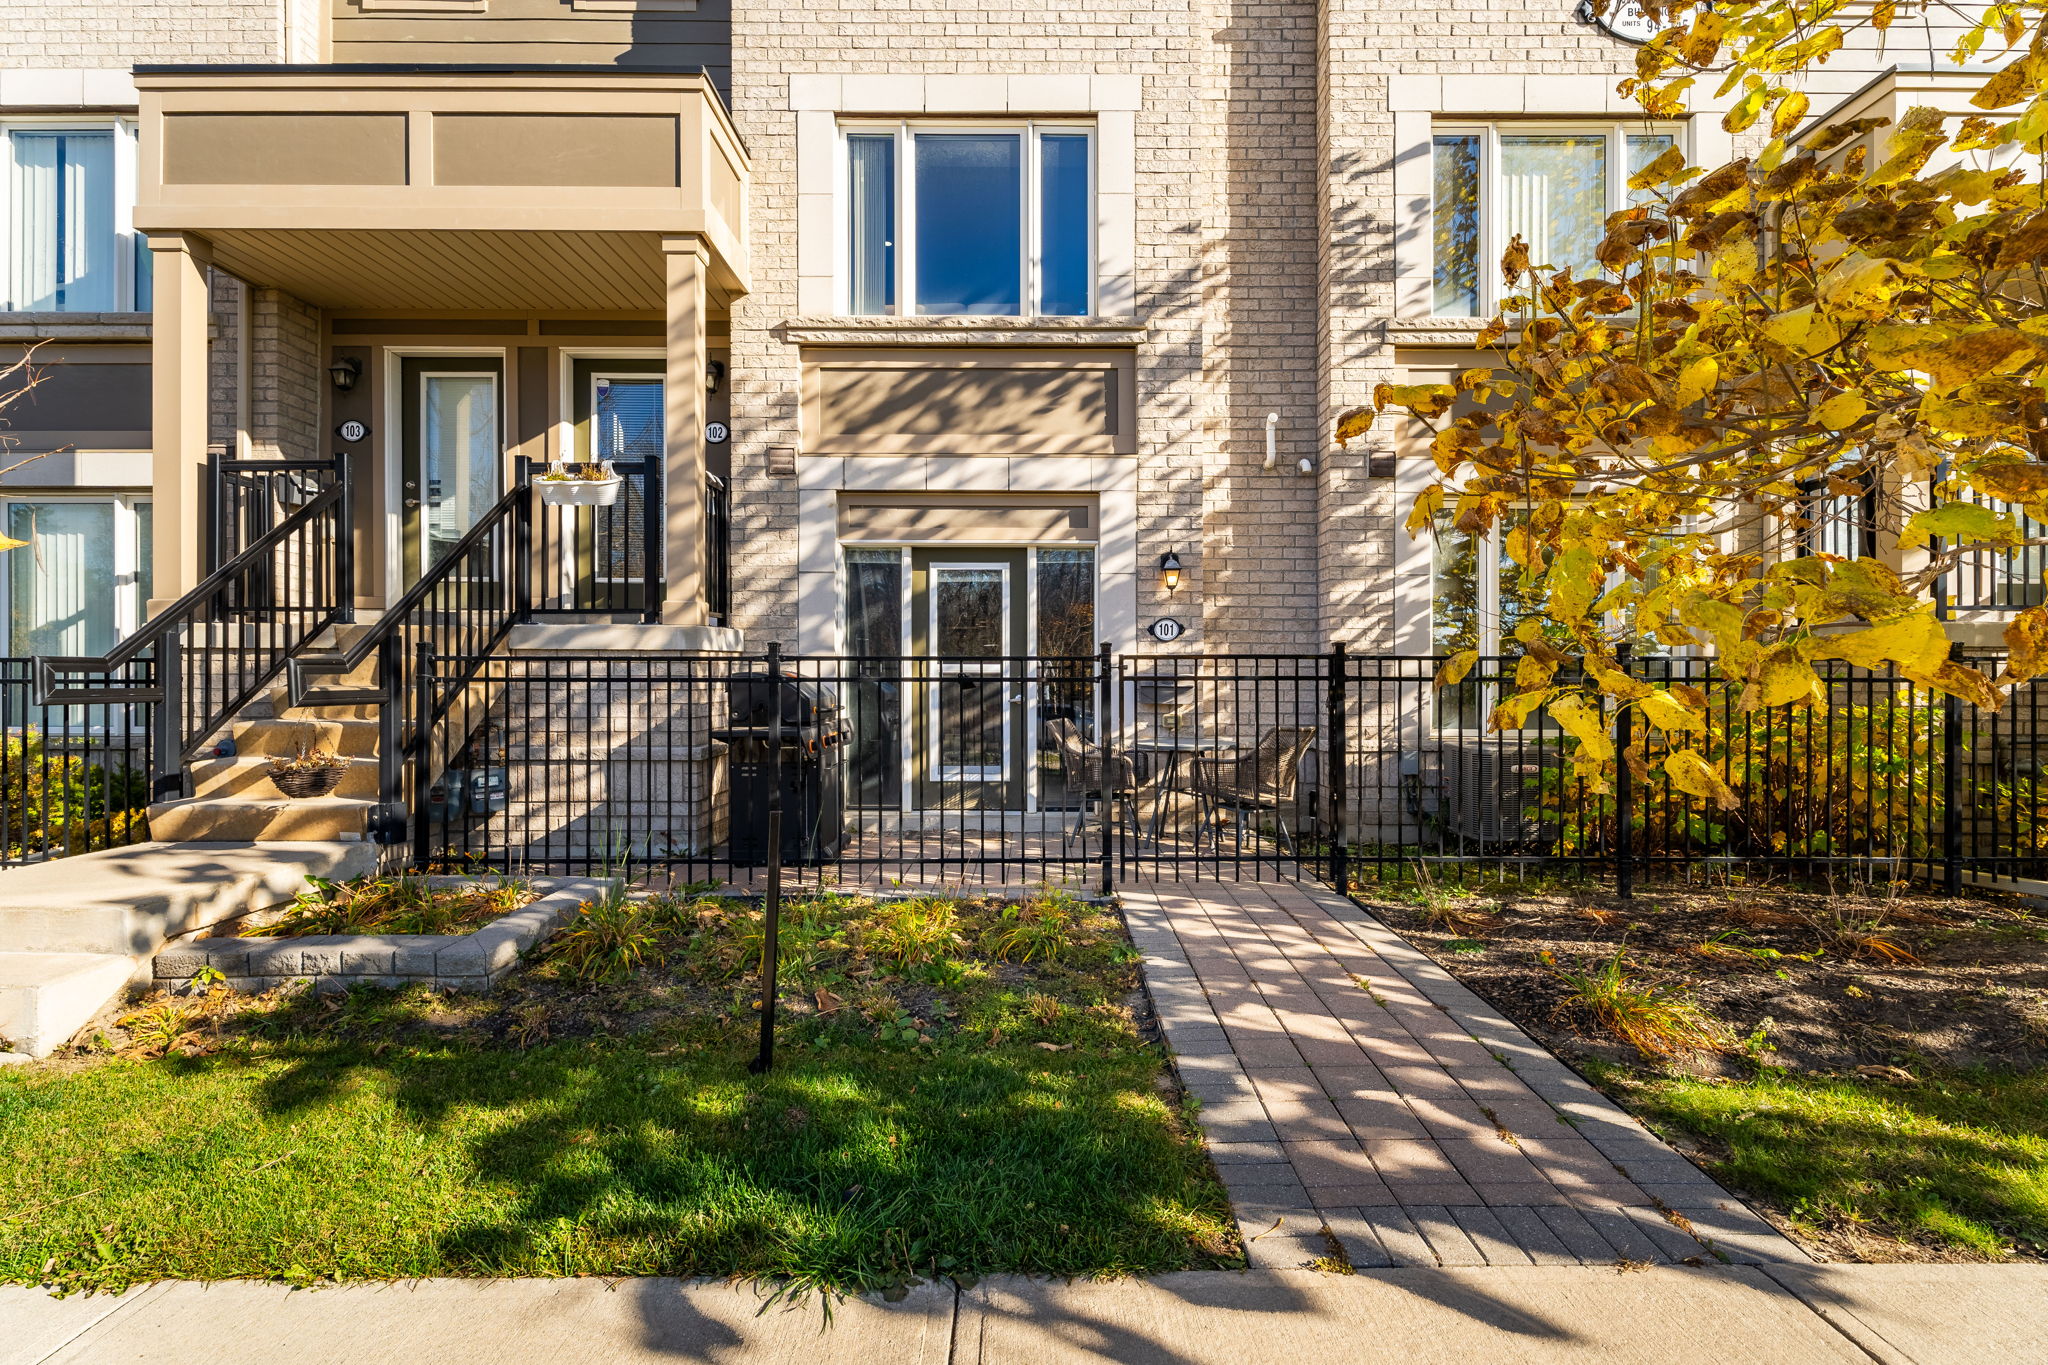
x,y
75,931
130,900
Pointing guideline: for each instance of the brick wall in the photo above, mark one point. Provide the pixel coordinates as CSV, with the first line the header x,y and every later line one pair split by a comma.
x,y
114,33
1168,45
286,377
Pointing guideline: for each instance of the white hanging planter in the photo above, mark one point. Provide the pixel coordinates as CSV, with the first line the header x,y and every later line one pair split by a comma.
x,y
561,492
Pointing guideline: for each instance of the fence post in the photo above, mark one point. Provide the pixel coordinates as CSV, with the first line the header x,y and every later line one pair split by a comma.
x,y
1340,851
216,508
345,538
1624,789
1951,786
771,910
423,745
652,495
389,824
522,545
167,783
1103,731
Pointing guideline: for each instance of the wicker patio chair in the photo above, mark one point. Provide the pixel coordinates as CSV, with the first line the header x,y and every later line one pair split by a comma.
x,y
1262,779
1097,776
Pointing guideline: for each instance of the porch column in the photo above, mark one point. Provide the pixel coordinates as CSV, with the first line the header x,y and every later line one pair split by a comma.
x,y
178,403
687,264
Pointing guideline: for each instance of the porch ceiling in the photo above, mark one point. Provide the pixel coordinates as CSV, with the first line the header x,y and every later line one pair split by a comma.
x,y
450,269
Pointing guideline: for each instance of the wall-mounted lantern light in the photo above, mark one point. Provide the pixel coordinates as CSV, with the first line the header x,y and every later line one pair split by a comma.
x,y
1169,571
345,372
714,375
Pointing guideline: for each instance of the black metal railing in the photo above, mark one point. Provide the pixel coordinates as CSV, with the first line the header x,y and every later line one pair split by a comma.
x,y
717,550
1096,770
75,778
460,610
598,559
247,499
214,649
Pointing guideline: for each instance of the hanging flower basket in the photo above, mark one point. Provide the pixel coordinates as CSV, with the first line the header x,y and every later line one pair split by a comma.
x,y
308,774
579,485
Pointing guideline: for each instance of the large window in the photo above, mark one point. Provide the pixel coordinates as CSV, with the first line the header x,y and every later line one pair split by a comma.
x,y
1554,185
67,228
82,581
989,219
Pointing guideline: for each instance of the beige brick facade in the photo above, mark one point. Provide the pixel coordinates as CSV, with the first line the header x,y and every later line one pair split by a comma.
x,y
119,33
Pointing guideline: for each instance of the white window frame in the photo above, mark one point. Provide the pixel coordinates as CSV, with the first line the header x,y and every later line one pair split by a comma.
x,y
1031,264
1492,242
126,245
129,605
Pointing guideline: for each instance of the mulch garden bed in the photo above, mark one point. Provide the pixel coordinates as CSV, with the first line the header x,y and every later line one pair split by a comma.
x,y
1897,1005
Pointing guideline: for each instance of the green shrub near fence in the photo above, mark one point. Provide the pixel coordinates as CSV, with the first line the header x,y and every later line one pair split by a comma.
x,y
73,796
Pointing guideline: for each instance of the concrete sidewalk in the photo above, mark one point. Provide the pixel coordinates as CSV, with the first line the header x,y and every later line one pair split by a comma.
x,y
1531,1315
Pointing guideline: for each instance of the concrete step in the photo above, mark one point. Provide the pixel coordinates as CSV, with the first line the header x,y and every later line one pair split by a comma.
x,y
351,738
130,900
47,997
249,778
229,819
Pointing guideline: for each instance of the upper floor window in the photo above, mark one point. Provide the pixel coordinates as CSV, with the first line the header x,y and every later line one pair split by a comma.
x,y
995,219
66,226
1553,184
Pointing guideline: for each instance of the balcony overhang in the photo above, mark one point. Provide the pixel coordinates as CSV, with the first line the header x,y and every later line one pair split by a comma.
x,y
443,187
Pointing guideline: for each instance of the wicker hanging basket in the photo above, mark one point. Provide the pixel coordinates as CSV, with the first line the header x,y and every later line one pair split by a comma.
x,y
298,783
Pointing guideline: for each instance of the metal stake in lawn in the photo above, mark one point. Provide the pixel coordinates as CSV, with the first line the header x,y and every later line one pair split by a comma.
x,y
772,908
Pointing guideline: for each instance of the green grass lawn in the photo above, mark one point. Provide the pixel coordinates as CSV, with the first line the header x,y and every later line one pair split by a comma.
x,y
1957,1163
1008,1119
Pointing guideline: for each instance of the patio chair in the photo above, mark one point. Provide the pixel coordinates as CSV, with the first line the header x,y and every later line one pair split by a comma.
x,y
1263,779
1096,775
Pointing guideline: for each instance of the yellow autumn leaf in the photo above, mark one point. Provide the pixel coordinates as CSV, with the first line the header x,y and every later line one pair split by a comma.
x,y
1456,667
1574,582
1964,523
1667,713
2018,481
1789,329
1842,411
1514,711
2026,645
1915,642
1696,380
1354,424
1691,774
1782,678
1618,684
10,543
1584,723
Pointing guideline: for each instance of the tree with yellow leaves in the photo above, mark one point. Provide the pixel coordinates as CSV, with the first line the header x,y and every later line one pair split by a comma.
x,y
1806,323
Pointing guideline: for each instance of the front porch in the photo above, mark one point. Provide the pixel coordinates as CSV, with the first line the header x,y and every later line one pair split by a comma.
x,y
485,272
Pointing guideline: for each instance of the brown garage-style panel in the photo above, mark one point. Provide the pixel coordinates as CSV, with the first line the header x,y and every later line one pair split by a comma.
x,y
82,401
938,400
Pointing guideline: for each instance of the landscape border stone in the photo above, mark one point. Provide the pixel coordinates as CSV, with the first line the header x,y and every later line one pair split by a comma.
x,y
472,962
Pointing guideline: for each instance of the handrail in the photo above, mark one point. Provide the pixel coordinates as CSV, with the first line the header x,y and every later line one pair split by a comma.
x,y
451,586
302,576
154,629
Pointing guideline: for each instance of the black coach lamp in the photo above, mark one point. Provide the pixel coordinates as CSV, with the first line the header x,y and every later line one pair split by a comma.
x,y
345,372
1169,571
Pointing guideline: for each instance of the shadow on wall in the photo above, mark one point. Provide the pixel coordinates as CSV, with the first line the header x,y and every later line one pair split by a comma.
x,y
665,33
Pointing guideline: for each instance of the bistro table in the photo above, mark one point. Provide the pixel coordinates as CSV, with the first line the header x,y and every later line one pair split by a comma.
x,y
1167,756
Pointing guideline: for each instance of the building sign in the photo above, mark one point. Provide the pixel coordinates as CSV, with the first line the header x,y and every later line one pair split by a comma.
x,y
1166,629
352,431
716,432
1625,19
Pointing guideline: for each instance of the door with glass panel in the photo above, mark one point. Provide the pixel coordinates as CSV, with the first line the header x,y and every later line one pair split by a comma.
x,y
617,408
451,465
967,628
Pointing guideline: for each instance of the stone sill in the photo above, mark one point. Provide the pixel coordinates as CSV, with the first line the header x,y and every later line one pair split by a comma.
x,y
1435,331
74,326
969,331
475,961
611,637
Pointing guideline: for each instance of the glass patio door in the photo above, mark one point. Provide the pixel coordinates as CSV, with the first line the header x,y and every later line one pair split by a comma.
x,y
967,616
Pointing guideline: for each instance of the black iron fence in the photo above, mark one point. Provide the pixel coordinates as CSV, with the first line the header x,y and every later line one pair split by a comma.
x,y
73,779
248,499
1110,768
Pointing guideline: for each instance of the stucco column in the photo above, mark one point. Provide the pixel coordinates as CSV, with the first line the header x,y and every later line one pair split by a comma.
x,y
687,264
178,403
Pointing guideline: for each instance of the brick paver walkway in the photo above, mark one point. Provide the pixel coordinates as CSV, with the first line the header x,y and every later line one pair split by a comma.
x,y
1353,1090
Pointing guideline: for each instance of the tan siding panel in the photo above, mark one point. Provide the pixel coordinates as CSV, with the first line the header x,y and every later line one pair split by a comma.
x,y
967,402
555,149
284,149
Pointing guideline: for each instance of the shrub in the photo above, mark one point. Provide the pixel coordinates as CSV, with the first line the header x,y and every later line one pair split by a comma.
x,y
608,938
1043,927
69,796
1649,1016
914,931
